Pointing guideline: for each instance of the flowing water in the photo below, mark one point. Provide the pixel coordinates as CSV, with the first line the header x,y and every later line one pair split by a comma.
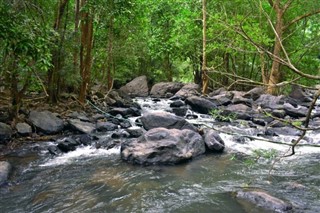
x,y
97,180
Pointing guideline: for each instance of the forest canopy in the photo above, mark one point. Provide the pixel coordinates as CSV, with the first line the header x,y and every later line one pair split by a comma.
x,y
69,45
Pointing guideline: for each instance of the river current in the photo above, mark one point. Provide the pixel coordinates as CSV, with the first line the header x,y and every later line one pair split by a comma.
x,y
97,180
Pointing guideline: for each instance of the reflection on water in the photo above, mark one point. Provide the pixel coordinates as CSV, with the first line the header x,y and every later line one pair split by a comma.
x,y
103,183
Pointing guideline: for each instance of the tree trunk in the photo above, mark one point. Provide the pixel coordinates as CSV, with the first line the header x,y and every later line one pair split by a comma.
x,y
205,78
76,37
86,28
275,75
54,73
110,52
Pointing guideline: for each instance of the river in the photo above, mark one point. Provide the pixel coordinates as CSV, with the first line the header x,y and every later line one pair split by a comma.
x,y
97,180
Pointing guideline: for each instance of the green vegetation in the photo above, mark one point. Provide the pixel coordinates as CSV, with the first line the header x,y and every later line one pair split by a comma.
x,y
225,117
61,46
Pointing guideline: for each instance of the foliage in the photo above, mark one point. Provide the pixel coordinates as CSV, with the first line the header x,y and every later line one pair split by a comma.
x,y
219,115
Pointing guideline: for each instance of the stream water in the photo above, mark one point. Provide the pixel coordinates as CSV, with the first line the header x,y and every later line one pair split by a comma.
x,y
97,180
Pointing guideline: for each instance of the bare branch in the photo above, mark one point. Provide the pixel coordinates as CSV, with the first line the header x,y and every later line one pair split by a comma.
x,y
301,17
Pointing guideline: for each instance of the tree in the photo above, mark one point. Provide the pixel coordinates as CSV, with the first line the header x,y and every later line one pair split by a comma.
x,y
86,28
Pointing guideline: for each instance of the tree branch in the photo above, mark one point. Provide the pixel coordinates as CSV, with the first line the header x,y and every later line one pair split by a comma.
x,y
301,17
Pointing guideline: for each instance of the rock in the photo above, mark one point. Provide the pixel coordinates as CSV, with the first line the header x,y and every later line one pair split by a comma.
x,y
279,113
276,131
177,103
165,89
125,112
23,129
120,134
54,150
200,105
46,122
163,146
270,101
81,126
135,132
68,144
106,126
180,111
114,99
86,139
221,100
255,93
264,200
298,94
81,116
188,90
5,169
298,112
5,132
166,120
125,124
238,98
138,87
213,140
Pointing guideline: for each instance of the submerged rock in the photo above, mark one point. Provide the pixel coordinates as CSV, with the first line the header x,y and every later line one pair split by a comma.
x,y
163,146
264,200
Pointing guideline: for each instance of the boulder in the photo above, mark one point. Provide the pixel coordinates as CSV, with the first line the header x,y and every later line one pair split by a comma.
x,y
264,200
295,112
135,132
201,105
270,101
106,126
254,93
166,120
177,103
5,132
213,140
238,98
163,146
81,126
46,122
180,111
125,112
165,89
23,129
5,169
298,94
188,90
222,99
68,144
138,87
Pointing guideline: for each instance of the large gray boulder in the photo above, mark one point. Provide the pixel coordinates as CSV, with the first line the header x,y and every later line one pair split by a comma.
x,y
264,200
163,146
165,119
298,94
5,169
201,105
46,122
5,132
165,89
138,87
270,101
188,90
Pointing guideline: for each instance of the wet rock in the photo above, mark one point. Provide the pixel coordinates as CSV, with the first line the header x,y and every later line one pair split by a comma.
x,y
298,94
177,103
200,105
270,101
5,169
135,132
125,112
5,132
238,98
68,144
106,126
180,111
254,93
86,139
125,124
165,89
276,131
23,129
264,200
81,126
46,122
188,90
213,140
120,134
295,112
163,146
54,150
166,120
138,87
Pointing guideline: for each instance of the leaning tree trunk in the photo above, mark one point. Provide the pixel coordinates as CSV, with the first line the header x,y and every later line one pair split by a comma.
x,y
85,51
